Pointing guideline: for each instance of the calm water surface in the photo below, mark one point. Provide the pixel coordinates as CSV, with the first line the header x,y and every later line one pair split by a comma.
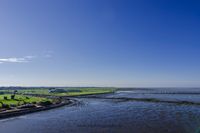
x,y
111,116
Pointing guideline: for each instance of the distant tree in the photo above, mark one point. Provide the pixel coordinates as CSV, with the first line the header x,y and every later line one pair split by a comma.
x,y
12,96
14,93
5,98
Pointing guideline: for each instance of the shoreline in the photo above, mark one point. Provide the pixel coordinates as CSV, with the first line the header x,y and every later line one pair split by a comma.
x,y
8,114
69,100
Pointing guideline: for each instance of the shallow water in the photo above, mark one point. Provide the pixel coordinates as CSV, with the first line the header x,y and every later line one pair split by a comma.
x,y
168,94
109,116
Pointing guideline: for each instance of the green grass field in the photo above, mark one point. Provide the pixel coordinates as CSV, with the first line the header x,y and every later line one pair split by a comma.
x,y
69,91
20,99
86,91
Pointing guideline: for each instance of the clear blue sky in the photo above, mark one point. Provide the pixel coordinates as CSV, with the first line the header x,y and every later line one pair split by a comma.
x,y
130,43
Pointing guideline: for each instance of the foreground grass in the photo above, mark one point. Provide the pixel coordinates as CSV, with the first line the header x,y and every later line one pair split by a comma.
x,y
20,100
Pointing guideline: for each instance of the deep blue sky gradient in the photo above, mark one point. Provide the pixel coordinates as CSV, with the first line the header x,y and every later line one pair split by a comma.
x,y
130,43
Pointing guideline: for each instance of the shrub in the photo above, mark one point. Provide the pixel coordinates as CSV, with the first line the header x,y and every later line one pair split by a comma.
x,y
12,96
5,106
34,102
5,98
12,105
45,103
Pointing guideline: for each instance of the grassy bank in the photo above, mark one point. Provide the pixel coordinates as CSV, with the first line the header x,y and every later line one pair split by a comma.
x,y
20,100
23,97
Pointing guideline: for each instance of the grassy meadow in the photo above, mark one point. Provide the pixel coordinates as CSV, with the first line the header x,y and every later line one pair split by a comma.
x,y
23,95
20,99
68,91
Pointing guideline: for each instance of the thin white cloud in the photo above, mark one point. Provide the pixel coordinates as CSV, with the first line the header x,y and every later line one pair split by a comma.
x,y
29,57
25,59
48,54
16,60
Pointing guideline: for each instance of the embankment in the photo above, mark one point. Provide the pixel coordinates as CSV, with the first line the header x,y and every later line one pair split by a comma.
x,y
18,112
